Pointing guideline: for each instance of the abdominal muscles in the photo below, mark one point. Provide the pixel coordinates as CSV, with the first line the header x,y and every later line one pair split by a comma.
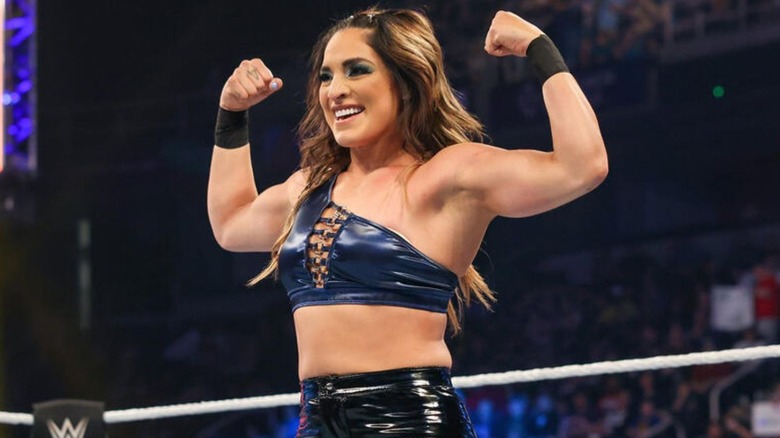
x,y
348,338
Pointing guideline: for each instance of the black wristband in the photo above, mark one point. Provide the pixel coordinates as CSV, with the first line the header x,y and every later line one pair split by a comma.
x,y
545,58
232,130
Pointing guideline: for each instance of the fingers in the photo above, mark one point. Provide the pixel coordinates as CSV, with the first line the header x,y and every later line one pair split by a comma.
x,y
246,86
251,82
509,34
492,46
499,34
258,74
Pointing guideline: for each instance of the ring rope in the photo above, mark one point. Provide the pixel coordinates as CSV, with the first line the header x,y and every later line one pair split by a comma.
x,y
533,375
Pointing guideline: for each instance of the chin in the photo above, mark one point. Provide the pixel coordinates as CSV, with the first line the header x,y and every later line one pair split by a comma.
x,y
346,141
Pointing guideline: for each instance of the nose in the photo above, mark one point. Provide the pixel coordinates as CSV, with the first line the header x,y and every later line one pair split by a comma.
x,y
337,89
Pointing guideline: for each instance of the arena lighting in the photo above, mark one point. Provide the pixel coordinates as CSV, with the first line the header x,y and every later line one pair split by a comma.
x,y
18,108
2,81
19,140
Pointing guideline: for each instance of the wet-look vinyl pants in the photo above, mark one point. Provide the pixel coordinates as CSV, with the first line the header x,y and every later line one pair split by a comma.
x,y
408,402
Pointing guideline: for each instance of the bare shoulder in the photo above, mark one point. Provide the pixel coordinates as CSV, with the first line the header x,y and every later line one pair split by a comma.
x,y
436,182
447,168
295,184
279,199
443,202
461,153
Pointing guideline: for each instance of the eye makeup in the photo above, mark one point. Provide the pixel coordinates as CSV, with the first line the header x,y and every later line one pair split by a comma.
x,y
352,67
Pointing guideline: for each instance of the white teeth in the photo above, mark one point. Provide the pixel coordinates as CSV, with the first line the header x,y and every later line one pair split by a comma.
x,y
347,112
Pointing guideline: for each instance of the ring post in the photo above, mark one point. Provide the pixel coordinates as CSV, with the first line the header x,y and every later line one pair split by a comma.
x,y
68,419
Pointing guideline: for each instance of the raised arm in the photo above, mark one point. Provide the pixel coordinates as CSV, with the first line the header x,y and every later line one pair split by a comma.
x,y
517,183
241,219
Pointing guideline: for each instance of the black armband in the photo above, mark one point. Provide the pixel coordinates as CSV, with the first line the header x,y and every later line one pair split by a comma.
x,y
232,130
545,58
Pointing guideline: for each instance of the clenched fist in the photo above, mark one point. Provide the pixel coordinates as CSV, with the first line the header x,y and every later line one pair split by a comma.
x,y
509,35
249,85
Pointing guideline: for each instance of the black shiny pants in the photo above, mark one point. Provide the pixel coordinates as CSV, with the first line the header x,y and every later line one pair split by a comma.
x,y
409,402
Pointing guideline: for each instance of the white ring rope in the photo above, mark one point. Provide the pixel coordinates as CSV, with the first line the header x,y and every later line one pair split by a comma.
x,y
534,375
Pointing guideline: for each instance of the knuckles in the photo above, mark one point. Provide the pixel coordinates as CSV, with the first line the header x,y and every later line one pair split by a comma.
x,y
242,90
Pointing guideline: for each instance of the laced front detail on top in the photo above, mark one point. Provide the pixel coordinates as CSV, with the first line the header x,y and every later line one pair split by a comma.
x,y
320,242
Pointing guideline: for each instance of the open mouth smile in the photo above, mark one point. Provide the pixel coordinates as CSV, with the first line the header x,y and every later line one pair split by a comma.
x,y
347,113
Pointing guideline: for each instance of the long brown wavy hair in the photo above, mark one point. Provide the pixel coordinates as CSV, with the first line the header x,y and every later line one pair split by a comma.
x,y
430,119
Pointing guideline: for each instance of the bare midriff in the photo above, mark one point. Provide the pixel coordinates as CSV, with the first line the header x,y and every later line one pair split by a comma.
x,y
348,338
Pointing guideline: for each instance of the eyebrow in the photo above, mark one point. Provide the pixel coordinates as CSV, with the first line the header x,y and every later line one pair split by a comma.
x,y
349,62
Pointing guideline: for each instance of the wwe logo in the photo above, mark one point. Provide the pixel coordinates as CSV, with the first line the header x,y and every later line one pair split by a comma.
x,y
67,430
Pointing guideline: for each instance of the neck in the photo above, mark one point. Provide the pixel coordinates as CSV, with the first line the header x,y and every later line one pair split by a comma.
x,y
366,160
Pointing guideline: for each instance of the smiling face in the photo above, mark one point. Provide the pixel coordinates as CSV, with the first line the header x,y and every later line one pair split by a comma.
x,y
357,92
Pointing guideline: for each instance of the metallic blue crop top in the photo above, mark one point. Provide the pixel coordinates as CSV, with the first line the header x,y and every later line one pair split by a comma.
x,y
333,256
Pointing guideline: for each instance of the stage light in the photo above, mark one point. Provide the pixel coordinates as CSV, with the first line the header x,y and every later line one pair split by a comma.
x,y
2,81
18,152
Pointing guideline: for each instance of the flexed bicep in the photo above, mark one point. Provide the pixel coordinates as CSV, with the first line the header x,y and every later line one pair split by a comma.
x,y
527,182
255,226
510,183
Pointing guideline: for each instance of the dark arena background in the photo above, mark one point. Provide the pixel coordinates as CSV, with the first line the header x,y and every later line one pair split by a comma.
x,y
112,287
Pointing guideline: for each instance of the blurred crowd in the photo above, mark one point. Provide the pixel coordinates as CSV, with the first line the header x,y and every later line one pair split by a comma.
x,y
638,305
613,46
589,32
601,32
